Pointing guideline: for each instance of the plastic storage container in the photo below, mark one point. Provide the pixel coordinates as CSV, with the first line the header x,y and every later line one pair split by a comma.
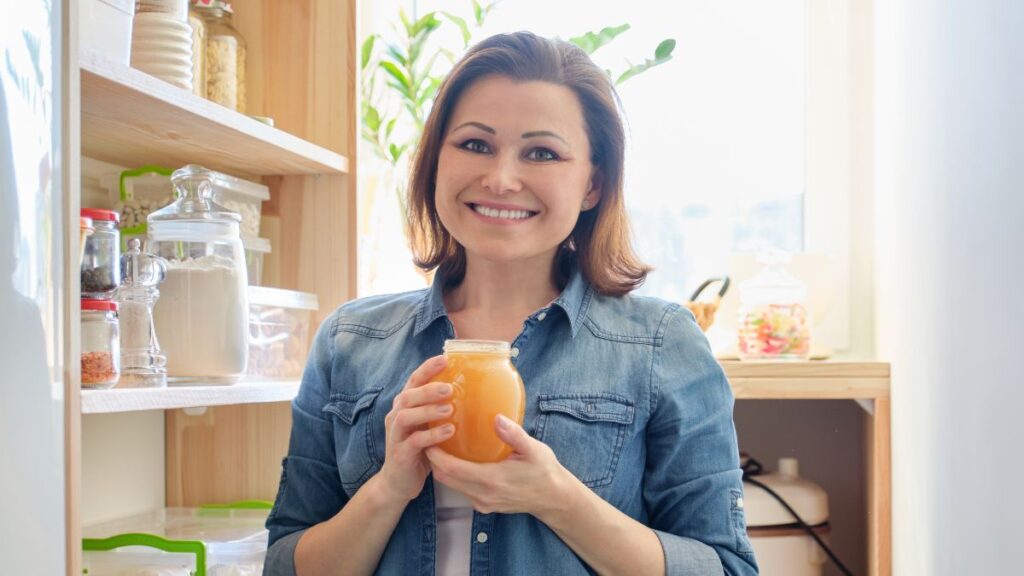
x,y
773,322
202,316
105,26
241,196
225,55
101,257
101,352
168,541
485,384
255,250
279,331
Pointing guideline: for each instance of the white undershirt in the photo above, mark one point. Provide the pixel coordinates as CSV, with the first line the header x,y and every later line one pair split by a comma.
x,y
454,531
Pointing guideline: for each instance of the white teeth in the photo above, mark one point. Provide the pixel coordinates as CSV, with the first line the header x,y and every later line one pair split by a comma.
x,y
503,214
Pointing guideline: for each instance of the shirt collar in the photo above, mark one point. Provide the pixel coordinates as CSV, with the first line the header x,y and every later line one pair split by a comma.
x,y
574,301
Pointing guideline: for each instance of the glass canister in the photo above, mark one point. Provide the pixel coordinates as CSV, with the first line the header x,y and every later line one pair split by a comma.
x,y
485,384
773,321
101,353
101,257
225,55
195,20
202,315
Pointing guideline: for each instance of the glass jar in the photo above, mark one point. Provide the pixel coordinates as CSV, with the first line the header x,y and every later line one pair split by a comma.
x,y
195,20
773,321
485,384
225,55
173,9
85,229
101,257
101,354
202,315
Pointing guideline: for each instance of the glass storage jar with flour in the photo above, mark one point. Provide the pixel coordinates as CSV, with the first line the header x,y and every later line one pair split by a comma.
x,y
201,318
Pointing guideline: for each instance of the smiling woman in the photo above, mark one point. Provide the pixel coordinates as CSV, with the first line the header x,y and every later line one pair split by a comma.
x,y
626,460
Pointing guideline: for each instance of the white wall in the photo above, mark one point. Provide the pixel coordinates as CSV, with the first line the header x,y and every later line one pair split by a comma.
x,y
949,236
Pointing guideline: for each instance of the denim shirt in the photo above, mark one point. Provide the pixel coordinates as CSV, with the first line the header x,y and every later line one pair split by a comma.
x,y
624,390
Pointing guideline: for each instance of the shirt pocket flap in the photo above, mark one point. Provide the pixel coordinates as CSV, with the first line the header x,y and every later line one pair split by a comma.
x,y
348,406
589,408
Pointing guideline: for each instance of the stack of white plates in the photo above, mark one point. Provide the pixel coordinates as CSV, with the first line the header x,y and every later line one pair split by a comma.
x,y
162,47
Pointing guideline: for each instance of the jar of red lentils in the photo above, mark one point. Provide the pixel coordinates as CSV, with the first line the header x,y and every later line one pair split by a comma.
x,y
101,344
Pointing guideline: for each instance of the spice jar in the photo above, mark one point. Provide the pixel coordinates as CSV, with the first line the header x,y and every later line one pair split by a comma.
x,y
484,384
225,55
85,229
773,320
101,358
142,364
195,20
101,258
202,316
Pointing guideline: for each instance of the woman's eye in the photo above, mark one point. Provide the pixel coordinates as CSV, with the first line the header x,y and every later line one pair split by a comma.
x,y
541,155
477,146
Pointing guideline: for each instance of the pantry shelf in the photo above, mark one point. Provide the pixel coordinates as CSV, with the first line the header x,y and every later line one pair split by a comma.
x,y
810,380
248,391
131,118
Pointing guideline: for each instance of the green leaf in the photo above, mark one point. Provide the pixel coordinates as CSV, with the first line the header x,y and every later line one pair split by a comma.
x,y
367,51
395,52
463,27
591,41
478,13
397,74
664,50
426,24
396,151
405,22
390,128
429,93
372,118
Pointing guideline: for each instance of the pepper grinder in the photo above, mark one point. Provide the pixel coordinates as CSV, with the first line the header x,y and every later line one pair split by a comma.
x,y
142,364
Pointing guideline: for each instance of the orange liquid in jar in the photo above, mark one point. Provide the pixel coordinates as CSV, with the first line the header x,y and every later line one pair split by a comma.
x,y
484,384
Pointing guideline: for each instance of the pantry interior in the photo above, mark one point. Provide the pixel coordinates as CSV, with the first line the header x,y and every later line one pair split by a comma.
x,y
130,451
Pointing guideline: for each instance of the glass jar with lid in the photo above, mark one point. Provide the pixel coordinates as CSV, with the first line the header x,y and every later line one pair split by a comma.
x,y
485,384
198,25
101,354
201,318
225,55
101,256
773,321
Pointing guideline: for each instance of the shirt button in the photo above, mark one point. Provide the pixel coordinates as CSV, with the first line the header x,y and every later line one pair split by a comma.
x,y
542,316
481,537
515,354
739,502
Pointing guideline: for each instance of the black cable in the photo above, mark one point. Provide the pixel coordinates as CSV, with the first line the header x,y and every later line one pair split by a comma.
x,y
751,468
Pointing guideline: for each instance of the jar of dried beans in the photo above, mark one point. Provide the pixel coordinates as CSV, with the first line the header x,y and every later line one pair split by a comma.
x,y
101,350
225,55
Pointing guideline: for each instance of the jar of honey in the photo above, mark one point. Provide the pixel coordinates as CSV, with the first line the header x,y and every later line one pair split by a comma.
x,y
484,384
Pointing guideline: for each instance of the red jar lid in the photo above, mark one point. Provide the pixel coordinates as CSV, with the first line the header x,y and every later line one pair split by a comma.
x,y
103,305
97,214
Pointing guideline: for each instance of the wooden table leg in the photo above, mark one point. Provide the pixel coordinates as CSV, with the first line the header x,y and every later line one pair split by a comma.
x,y
880,491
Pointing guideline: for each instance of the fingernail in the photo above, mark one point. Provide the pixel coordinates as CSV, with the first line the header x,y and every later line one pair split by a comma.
x,y
504,423
445,390
444,408
447,429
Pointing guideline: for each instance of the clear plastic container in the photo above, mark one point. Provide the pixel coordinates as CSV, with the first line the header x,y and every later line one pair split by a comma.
x,y
101,258
255,250
101,353
202,316
225,55
773,321
279,331
244,197
485,384
234,542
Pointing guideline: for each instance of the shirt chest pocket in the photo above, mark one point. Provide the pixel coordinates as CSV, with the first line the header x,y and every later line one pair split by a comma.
x,y
354,441
586,432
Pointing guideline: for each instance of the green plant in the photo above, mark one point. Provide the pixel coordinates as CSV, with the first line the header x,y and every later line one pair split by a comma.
x,y
401,78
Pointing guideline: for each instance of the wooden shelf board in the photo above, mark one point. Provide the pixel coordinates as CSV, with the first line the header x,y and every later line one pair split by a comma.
x,y
248,391
131,118
808,380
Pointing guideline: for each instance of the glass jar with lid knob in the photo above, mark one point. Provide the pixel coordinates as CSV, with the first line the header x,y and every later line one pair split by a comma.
x,y
773,322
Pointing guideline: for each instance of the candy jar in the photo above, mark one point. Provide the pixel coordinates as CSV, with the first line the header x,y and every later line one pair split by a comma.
x,y
142,364
773,321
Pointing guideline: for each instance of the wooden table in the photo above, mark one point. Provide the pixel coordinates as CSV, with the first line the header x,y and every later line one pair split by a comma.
x,y
865,382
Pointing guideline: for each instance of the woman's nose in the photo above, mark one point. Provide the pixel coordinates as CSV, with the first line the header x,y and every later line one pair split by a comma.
x,y
502,176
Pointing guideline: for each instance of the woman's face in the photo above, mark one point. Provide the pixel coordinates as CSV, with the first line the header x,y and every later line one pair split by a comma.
x,y
514,170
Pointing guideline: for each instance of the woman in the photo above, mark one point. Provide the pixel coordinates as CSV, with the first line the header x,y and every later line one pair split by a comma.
x,y
516,200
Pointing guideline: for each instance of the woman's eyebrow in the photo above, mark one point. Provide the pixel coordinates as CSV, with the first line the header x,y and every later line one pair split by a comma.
x,y
537,133
483,127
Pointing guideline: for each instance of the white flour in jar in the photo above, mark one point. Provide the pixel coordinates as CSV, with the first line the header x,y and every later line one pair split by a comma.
x,y
202,321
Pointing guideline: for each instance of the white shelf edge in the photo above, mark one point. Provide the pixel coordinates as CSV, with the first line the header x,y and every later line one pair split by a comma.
x,y
247,391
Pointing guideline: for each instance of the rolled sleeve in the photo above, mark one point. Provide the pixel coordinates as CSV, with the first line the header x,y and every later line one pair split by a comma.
x,y
693,482
281,555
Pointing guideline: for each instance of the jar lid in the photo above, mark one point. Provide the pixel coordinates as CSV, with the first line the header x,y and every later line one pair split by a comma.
x,y
194,186
85,224
477,347
101,305
217,4
97,214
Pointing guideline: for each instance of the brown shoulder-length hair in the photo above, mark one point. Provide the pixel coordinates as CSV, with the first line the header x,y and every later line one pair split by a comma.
x,y
600,242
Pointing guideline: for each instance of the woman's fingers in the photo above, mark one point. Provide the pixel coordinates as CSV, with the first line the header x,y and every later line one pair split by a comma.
x,y
426,438
415,417
425,394
425,372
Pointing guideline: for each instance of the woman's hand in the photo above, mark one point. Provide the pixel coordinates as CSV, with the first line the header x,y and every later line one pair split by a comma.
x,y
420,402
529,481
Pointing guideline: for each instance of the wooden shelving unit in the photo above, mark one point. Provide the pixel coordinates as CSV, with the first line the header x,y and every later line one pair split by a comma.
x,y
248,391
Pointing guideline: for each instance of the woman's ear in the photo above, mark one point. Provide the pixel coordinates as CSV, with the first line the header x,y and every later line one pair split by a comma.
x,y
593,195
